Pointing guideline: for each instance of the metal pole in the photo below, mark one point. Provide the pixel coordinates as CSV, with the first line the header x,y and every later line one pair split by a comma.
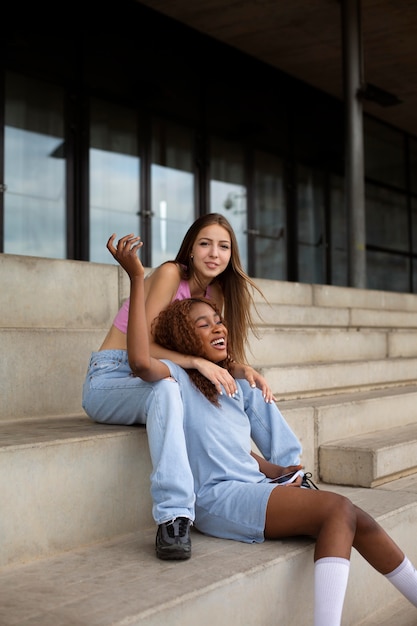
x,y
354,155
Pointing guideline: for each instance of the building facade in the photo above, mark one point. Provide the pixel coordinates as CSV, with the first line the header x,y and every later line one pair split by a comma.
x,y
121,120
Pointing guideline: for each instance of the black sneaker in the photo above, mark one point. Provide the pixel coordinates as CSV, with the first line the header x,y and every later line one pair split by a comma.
x,y
173,539
307,483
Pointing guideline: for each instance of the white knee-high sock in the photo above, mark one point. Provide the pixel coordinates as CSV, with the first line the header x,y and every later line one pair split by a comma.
x,y
331,575
404,578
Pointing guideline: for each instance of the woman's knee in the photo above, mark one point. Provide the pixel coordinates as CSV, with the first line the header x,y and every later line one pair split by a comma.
x,y
344,510
365,522
334,508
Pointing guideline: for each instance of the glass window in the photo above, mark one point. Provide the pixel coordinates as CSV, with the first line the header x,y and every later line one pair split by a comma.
x,y
311,226
414,241
384,153
388,272
413,165
34,203
339,232
414,275
173,188
114,176
227,189
386,235
269,218
386,219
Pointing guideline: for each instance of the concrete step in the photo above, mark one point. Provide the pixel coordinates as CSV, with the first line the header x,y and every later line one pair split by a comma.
x,y
120,581
76,527
49,366
106,468
56,293
67,482
305,354
318,379
271,314
321,420
399,613
64,323
296,362
279,346
370,459
296,334
303,294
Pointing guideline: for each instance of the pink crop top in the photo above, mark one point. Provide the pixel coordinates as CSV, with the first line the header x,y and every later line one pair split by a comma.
x,y
183,292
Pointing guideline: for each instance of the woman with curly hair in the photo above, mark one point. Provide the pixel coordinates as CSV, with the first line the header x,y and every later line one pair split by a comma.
x,y
207,265
237,496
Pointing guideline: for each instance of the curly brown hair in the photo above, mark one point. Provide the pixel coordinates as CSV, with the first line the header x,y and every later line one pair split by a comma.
x,y
174,330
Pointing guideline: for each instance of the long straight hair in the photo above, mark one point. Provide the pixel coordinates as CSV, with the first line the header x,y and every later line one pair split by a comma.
x,y
237,288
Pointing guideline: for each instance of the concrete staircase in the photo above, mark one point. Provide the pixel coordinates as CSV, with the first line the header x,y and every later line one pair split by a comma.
x,y
76,533
345,361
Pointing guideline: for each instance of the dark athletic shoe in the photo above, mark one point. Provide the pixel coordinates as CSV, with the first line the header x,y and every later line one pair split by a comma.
x,y
307,483
173,540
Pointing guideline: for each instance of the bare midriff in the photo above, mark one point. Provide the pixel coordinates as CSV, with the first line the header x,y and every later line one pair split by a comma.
x,y
114,340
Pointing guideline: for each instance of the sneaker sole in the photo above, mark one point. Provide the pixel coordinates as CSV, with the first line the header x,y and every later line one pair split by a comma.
x,y
173,554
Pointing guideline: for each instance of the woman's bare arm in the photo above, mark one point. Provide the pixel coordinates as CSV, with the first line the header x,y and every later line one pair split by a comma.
x,y
271,470
140,360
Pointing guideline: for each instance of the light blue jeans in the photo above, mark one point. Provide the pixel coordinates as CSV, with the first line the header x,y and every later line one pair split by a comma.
x,y
113,395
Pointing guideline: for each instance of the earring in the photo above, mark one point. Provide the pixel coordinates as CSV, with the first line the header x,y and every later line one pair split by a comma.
x,y
191,256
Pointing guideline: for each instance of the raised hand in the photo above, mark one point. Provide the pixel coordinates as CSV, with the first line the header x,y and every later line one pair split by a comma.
x,y
126,253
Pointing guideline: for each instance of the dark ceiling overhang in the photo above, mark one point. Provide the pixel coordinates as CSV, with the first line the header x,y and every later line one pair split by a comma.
x,y
304,39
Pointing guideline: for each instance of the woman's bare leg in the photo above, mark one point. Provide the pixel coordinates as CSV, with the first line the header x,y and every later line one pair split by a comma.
x,y
326,516
375,545
331,519
337,525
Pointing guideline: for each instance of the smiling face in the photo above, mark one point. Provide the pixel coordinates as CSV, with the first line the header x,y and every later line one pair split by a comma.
x,y
211,251
209,327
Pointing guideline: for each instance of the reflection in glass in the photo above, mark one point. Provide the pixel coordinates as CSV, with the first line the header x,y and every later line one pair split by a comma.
x,y
387,272
386,229
227,189
414,242
414,275
339,233
172,188
384,153
34,203
386,219
413,165
114,176
270,217
311,226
